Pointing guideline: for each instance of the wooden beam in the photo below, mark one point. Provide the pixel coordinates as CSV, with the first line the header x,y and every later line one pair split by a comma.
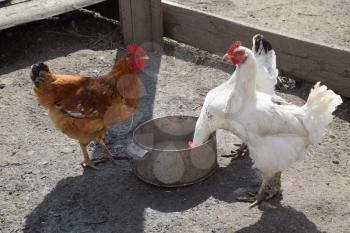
x,y
297,58
28,11
142,22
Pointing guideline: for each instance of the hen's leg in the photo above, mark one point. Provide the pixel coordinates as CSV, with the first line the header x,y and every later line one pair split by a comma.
x,y
109,154
240,152
86,162
276,187
259,197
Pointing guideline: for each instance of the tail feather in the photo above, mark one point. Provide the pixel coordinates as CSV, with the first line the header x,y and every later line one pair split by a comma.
x,y
319,107
37,71
266,60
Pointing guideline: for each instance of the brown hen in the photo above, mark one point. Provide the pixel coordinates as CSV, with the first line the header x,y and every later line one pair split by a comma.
x,y
82,107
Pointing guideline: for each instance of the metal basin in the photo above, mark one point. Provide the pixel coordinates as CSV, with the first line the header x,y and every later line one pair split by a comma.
x,y
161,156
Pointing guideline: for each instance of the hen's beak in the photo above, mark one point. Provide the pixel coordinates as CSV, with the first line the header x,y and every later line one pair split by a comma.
x,y
226,56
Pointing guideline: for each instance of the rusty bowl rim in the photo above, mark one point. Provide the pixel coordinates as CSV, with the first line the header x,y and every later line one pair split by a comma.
x,y
154,149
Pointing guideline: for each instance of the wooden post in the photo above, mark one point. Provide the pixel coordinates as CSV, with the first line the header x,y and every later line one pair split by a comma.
x,y
142,22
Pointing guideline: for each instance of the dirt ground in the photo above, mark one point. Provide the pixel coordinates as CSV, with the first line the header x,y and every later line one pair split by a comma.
x,y
44,189
319,20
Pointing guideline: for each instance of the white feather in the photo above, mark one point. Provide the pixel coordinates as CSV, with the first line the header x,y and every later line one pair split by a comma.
x,y
318,111
267,73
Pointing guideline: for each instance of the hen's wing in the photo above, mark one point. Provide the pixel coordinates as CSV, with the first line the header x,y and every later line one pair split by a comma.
x,y
89,101
97,96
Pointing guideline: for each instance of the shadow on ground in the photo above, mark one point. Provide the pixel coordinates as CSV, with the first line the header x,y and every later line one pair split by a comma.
x,y
281,219
114,200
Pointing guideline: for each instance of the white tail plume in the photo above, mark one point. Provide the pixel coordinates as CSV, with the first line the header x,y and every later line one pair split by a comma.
x,y
319,107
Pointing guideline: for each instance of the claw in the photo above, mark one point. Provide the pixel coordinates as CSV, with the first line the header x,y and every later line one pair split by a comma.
x,y
255,203
252,199
252,194
89,163
262,194
246,199
100,160
110,157
240,152
272,194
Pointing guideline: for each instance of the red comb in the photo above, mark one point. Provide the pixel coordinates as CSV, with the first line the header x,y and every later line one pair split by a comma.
x,y
235,45
135,49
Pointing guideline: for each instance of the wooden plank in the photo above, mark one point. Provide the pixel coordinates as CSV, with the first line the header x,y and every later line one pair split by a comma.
x,y
298,58
142,22
34,10
4,3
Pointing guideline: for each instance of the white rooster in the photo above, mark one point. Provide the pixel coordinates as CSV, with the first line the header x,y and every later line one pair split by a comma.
x,y
266,79
276,134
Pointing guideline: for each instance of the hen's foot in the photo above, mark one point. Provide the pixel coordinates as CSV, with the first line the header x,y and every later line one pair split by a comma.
x,y
250,199
89,163
108,158
276,188
253,198
109,155
256,199
238,153
262,194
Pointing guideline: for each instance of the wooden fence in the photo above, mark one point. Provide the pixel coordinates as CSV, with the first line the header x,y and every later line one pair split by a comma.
x,y
150,20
